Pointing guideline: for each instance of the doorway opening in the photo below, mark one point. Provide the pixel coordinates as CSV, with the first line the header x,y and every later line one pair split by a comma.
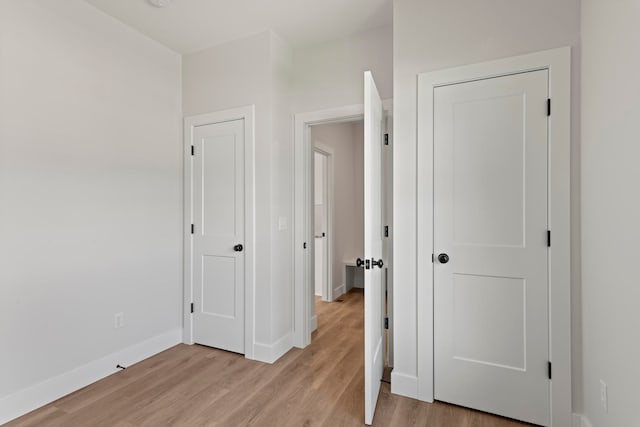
x,y
338,216
375,244
304,219
337,212
338,208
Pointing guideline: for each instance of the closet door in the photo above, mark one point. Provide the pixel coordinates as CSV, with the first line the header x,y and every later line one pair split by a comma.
x,y
218,235
490,241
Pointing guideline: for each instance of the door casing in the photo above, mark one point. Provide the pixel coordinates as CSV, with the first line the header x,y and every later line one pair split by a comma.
x,y
247,114
557,62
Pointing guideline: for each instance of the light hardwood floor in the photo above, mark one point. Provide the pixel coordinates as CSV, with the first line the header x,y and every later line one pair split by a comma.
x,y
322,385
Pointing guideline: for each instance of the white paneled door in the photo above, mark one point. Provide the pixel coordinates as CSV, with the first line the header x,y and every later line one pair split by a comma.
x,y
373,236
490,242
218,235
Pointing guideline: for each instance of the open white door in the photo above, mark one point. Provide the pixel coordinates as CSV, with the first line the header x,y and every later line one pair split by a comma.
x,y
373,236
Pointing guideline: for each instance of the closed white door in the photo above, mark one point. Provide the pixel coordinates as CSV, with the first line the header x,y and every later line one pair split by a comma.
x,y
321,217
373,236
490,241
218,235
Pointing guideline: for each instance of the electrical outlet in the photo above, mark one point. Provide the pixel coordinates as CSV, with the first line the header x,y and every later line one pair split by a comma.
x,y
118,320
604,396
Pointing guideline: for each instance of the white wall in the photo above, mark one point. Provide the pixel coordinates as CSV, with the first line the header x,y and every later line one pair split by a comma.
x,y
346,140
358,179
90,193
611,209
331,74
281,192
436,34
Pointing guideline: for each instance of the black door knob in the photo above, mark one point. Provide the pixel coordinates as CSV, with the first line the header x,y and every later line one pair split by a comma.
x,y
379,263
443,258
359,263
238,248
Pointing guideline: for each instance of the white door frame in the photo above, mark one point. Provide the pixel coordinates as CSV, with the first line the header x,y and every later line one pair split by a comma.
x,y
302,191
327,292
247,114
558,64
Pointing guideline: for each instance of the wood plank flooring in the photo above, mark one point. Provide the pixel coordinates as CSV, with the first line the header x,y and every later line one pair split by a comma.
x,y
322,385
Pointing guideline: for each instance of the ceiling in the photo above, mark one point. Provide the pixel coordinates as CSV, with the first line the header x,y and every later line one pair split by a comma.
x,y
187,26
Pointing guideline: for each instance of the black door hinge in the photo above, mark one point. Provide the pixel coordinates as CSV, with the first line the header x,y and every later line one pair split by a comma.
x,y
193,150
304,245
386,139
549,367
193,228
386,231
192,307
386,323
548,238
548,107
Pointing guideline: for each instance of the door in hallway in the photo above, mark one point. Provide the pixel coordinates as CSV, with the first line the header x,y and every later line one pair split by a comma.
x,y
321,220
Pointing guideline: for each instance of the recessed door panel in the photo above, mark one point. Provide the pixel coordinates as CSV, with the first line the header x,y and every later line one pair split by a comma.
x,y
488,169
488,319
219,286
219,196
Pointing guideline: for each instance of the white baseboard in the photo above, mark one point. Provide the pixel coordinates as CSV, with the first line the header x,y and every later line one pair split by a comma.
x,y
581,420
313,324
404,385
270,353
38,395
339,291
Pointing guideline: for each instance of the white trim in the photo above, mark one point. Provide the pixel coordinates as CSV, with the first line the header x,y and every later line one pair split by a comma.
x,y
327,291
301,192
339,291
38,395
557,61
314,322
269,353
246,113
404,385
